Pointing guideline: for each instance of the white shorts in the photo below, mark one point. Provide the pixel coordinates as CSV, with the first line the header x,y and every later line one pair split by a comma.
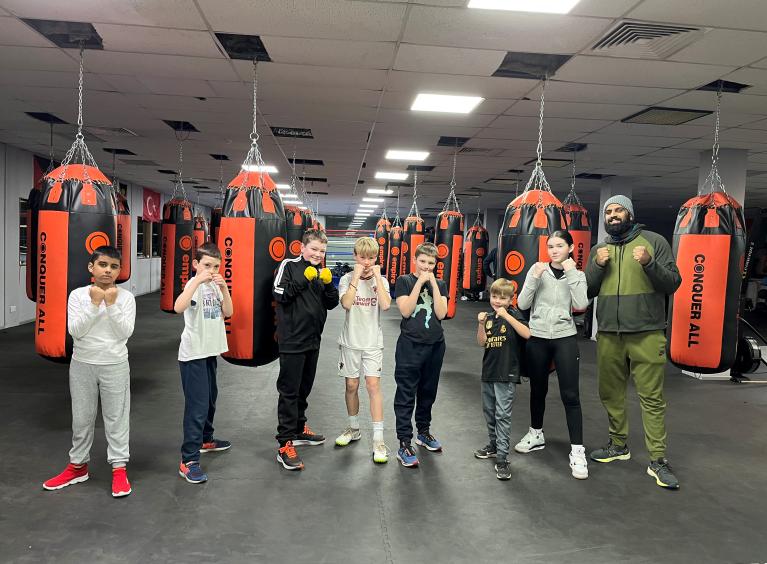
x,y
353,363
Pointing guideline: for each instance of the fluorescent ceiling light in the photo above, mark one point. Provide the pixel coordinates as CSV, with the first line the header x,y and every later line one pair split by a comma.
x,y
382,191
260,168
368,206
391,175
407,155
372,199
541,6
445,103
295,202
283,187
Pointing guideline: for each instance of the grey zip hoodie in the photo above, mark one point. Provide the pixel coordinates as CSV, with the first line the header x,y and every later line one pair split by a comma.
x,y
551,302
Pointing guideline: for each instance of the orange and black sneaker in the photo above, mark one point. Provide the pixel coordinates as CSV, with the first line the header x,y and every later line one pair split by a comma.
x,y
308,437
288,457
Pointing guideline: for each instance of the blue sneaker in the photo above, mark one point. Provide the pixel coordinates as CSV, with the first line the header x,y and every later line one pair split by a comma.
x,y
215,445
192,473
428,441
406,455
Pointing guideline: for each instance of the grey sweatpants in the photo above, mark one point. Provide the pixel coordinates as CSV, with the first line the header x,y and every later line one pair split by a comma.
x,y
497,399
86,383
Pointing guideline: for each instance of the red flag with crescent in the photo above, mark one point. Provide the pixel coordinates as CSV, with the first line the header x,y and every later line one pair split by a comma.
x,y
151,206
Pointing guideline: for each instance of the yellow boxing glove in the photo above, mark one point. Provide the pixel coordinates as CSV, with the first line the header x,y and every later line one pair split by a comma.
x,y
326,276
310,273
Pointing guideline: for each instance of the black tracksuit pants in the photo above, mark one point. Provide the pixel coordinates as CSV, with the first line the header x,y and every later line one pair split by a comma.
x,y
294,384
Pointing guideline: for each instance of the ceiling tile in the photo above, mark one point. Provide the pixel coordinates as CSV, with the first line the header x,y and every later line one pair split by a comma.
x,y
15,32
177,86
36,58
162,41
745,14
448,60
329,53
561,91
725,47
159,65
569,109
314,77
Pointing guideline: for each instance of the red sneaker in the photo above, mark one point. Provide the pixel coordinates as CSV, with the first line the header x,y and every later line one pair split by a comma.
x,y
71,475
120,484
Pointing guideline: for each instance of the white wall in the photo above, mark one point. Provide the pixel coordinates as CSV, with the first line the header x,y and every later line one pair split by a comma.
x,y
16,178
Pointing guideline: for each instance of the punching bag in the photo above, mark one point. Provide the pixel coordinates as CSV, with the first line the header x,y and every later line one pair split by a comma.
x,y
709,247
413,234
294,223
529,219
33,210
394,260
475,248
215,223
123,230
448,237
77,215
200,233
176,251
579,226
383,227
252,239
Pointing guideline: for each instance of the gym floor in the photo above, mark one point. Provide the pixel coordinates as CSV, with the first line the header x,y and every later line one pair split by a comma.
x,y
342,507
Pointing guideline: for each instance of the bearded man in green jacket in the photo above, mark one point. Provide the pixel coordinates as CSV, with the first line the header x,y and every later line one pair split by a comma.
x,y
632,273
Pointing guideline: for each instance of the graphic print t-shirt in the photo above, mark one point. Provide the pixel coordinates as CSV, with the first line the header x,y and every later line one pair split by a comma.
x,y
362,325
422,326
500,362
204,333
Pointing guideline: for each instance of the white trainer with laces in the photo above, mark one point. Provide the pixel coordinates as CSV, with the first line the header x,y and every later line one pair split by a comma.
x,y
533,440
578,464
348,436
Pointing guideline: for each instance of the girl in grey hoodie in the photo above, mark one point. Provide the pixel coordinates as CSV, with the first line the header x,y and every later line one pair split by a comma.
x,y
551,291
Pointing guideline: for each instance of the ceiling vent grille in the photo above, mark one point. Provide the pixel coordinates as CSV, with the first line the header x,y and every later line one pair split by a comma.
x,y
644,40
480,151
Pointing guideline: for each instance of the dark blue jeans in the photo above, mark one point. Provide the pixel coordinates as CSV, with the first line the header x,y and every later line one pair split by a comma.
x,y
198,379
416,373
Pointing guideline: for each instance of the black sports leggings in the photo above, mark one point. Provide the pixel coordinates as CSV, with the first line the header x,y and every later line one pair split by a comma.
x,y
564,352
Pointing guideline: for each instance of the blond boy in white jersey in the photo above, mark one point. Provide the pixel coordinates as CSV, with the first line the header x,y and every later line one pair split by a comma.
x,y
364,294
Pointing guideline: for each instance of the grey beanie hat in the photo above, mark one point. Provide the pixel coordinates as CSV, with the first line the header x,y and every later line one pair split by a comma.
x,y
622,201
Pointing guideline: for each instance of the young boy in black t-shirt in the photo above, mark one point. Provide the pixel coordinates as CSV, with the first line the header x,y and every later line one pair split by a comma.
x,y
422,301
499,332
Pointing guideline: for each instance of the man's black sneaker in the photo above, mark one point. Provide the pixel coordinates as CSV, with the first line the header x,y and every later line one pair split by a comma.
x,y
308,437
661,470
288,457
487,451
610,453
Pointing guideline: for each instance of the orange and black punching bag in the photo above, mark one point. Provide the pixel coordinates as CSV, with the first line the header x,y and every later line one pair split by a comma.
x,y
123,229
252,242
308,219
475,248
77,215
176,251
448,237
709,247
383,227
200,233
215,223
394,260
529,219
413,233
294,223
579,226
33,210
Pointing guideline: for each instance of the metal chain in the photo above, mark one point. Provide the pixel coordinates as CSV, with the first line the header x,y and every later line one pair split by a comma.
x,y
180,180
397,222
539,150
80,95
254,134
572,176
538,178
414,208
713,181
451,199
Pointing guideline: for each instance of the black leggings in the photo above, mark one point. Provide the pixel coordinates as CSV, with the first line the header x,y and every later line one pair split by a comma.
x,y
564,352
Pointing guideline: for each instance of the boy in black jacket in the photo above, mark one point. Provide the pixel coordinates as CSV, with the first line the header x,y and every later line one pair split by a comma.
x,y
304,295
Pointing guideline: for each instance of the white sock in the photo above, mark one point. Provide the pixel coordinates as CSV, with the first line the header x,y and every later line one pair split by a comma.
x,y
537,431
354,421
577,449
378,430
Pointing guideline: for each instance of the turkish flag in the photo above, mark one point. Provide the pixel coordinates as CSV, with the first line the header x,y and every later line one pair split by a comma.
x,y
151,206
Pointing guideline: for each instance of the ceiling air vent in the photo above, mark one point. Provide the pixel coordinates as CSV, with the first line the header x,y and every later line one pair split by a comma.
x,y
554,163
313,179
420,168
657,115
166,171
480,151
118,151
307,162
181,126
530,65
452,141
645,40
292,132
592,176
243,47
112,131
219,157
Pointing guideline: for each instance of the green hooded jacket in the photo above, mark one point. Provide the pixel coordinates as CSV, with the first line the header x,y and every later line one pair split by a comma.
x,y
632,297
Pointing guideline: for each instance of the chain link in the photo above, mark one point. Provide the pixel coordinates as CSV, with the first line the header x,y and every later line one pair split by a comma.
x,y
414,208
451,199
714,182
80,94
254,134
539,150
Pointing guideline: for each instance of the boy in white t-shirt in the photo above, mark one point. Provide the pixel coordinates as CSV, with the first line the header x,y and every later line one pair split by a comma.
x,y
100,318
205,302
364,294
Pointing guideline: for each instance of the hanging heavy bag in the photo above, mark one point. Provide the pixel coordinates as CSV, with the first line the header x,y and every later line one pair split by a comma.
x,y
709,247
33,210
294,223
76,216
252,239
176,246
413,234
383,227
579,226
475,249
123,230
529,219
200,232
448,237
215,224
394,261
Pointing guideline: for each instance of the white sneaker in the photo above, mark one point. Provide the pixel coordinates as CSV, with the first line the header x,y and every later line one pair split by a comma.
x,y
348,436
578,464
380,452
533,440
